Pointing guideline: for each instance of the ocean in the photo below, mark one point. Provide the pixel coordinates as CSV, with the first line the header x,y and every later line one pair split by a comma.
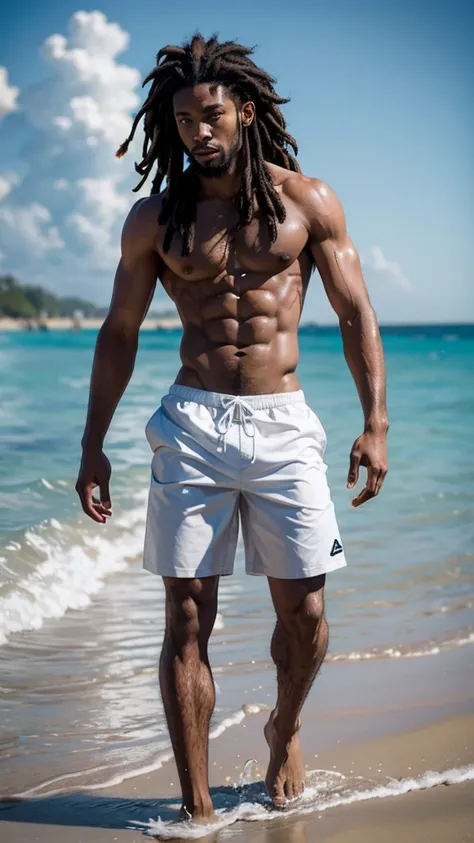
x,y
81,623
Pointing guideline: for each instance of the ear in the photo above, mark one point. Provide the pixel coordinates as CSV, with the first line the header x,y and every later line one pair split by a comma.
x,y
247,113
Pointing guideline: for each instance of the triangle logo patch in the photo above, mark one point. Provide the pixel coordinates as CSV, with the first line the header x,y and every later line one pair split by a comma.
x,y
336,548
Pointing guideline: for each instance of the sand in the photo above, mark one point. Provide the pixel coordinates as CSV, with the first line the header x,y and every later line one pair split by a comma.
x,y
438,813
68,324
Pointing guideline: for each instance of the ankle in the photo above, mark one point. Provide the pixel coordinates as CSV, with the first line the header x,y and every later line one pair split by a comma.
x,y
198,807
285,727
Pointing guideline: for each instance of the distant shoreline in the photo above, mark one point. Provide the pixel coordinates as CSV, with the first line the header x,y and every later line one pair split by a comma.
x,y
170,323
60,323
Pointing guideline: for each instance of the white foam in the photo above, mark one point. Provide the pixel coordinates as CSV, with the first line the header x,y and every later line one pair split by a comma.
x,y
315,799
46,483
233,720
429,649
218,623
76,383
69,576
65,780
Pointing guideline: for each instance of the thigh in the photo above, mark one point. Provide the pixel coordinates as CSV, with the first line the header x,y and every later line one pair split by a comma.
x,y
290,529
288,518
192,524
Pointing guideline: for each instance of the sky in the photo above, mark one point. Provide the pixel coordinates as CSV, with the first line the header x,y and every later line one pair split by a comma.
x,y
381,107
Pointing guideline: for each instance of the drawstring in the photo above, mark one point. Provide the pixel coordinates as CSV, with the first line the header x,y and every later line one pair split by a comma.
x,y
237,409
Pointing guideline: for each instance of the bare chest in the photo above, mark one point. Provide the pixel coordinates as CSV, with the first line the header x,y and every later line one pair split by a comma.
x,y
221,250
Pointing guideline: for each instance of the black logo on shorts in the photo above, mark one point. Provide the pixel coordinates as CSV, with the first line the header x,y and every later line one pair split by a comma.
x,y
336,548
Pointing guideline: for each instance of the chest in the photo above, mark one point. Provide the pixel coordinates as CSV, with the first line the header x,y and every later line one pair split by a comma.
x,y
219,248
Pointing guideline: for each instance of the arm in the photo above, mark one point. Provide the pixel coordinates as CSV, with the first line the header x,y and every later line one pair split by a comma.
x,y
115,351
339,267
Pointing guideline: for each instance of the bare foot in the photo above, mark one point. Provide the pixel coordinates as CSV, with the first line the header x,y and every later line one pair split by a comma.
x,y
285,774
201,816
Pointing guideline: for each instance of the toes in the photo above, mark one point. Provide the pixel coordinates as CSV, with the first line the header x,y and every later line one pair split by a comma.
x,y
279,802
276,792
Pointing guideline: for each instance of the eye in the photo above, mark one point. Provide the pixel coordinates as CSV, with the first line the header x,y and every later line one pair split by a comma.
x,y
215,117
184,121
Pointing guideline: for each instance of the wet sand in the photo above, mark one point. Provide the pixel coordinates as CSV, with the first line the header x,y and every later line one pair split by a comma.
x,y
435,813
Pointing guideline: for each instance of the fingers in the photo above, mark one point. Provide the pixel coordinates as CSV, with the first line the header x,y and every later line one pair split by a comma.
x,y
375,478
363,497
354,465
102,508
87,502
105,494
381,477
92,507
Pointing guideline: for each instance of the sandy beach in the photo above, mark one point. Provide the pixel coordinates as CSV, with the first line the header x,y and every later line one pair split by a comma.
x,y
414,781
423,807
69,324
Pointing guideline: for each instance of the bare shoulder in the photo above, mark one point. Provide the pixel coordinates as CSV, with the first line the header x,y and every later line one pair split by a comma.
x,y
142,219
312,195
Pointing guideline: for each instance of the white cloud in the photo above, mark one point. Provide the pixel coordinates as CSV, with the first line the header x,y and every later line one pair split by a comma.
x,y
390,270
8,94
73,199
7,182
28,228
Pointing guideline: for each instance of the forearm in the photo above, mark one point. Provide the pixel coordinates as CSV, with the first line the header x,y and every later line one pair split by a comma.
x,y
364,355
113,365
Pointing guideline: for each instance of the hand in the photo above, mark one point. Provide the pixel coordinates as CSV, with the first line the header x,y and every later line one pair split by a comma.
x,y
369,450
95,471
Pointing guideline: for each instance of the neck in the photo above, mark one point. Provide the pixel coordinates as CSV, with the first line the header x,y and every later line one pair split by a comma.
x,y
222,187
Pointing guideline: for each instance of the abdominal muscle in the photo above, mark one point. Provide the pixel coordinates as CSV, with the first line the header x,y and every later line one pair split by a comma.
x,y
240,333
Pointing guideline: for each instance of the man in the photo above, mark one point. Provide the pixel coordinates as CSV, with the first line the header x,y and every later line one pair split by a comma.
x,y
233,239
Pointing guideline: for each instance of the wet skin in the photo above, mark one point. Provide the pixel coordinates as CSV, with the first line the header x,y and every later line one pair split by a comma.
x,y
240,298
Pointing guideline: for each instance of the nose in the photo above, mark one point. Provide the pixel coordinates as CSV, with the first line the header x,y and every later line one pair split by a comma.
x,y
203,132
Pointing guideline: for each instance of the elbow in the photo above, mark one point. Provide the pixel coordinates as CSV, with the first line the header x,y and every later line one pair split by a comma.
x,y
357,312
118,330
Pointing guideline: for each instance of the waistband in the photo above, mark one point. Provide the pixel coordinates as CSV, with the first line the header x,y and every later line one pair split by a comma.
x,y
222,400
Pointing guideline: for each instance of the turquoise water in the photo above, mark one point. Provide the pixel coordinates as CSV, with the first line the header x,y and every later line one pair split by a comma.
x,y
81,623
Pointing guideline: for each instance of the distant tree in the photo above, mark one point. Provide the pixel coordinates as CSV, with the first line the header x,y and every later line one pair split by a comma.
x,y
13,301
68,306
42,301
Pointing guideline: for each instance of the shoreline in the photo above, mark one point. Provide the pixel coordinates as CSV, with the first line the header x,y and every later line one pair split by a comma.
x,y
154,323
72,324
351,798
378,762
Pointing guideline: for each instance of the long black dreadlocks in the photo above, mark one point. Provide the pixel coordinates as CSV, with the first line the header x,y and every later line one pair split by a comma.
x,y
266,139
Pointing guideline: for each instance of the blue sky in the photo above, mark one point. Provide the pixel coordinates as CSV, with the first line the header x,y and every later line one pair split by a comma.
x,y
381,107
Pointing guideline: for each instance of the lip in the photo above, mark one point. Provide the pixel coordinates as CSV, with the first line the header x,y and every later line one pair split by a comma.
x,y
207,153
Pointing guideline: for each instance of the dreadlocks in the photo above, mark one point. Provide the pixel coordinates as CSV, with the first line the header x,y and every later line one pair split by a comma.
x,y
266,139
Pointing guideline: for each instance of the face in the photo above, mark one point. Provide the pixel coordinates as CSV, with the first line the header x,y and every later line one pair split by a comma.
x,y
210,127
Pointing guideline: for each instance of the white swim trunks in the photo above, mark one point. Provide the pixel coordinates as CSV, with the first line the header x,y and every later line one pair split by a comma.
x,y
218,458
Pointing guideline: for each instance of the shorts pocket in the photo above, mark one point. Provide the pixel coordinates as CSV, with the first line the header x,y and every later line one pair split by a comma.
x,y
153,430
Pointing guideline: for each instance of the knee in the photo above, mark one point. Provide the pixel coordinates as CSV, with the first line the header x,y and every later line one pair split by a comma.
x,y
190,614
310,613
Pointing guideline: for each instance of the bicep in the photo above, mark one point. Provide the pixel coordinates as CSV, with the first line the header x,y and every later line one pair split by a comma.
x,y
336,258
135,278
339,266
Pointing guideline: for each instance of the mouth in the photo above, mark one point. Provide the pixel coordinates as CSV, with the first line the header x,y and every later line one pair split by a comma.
x,y
207,154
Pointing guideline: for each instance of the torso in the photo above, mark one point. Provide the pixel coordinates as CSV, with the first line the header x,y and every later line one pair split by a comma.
x,y
240,299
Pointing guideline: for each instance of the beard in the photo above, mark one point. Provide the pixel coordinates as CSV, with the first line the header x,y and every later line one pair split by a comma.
x,y
219,166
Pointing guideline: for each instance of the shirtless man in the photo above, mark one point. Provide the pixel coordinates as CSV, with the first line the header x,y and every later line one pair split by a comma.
x,y
233,240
